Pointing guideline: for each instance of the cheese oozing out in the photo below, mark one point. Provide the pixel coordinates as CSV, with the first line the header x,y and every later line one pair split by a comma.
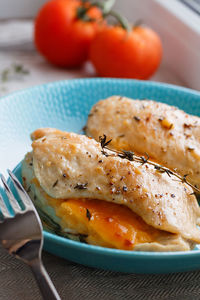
x,y
100,222
103,223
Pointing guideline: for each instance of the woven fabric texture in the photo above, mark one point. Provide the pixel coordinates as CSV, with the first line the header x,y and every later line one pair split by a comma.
x,y
76,282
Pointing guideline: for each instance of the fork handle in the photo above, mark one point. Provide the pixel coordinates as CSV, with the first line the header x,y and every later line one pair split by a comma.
x,y
45,284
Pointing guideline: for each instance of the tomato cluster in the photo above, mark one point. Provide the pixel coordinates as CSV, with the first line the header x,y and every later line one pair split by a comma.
x,y
69,32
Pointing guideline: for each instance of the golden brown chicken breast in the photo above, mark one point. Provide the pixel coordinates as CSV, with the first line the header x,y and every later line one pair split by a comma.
x,y
109,200
169,135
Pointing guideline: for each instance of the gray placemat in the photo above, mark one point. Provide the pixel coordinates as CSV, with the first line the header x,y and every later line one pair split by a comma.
x,y
76,282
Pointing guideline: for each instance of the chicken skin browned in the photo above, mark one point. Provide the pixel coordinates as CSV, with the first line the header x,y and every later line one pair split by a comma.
x,y
167,134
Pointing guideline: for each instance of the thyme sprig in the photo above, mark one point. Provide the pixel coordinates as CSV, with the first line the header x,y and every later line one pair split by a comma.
x,y
103,141
131,156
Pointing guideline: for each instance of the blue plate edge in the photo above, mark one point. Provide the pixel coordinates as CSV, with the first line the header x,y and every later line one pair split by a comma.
x,y
137,81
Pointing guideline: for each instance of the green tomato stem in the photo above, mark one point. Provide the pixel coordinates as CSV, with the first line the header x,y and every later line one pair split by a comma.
x,y
106,8
122,20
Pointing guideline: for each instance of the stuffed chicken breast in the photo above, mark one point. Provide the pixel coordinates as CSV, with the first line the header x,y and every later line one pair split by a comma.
x,y
169,135
107,200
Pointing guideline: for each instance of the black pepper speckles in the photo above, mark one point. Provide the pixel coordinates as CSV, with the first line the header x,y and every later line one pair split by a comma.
x,y
158,195
136,118
188,126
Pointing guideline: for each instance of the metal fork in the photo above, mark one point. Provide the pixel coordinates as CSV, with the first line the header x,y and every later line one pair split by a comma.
x,y
21,235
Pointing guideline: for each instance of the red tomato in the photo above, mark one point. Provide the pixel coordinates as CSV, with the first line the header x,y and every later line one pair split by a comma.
x,y
60,36
115,52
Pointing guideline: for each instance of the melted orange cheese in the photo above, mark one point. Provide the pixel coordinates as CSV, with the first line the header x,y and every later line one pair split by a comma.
x,y
104,223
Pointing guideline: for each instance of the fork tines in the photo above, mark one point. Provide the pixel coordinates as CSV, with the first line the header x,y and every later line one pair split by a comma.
x,y
13,203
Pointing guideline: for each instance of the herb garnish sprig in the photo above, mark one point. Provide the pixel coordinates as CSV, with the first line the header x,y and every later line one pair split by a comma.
x,y
16,70
131,156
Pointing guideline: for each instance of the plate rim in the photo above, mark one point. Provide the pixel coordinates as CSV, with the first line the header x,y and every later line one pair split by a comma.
x,y
152,83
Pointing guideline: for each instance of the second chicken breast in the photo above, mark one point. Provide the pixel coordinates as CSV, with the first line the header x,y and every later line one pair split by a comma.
x,y
169,135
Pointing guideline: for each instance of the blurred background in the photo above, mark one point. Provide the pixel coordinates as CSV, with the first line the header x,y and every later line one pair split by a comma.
x,y
176,21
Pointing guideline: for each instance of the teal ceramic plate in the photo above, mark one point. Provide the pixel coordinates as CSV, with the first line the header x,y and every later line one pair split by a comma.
x,y
65,105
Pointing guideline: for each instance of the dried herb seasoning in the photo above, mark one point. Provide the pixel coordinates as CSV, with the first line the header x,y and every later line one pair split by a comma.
x,y
136,118
126,154
125,189
81,186
184,178
55,183
159,168
160,119
103,141
144,160
190,148
185,125
88,214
